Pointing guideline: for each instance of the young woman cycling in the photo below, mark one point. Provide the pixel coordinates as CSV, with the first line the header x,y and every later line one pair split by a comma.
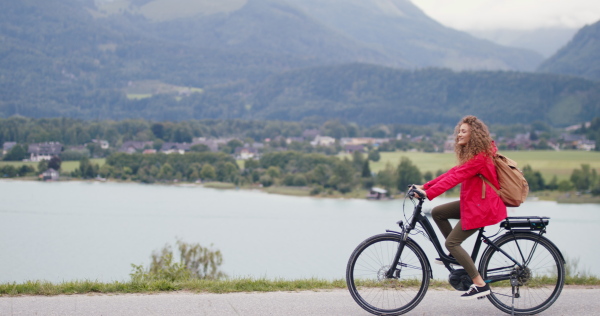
x,y
479,204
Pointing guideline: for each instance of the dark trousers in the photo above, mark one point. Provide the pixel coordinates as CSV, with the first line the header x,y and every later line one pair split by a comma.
x,y
455,236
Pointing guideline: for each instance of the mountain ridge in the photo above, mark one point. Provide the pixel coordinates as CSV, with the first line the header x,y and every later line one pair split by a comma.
x,y
580,57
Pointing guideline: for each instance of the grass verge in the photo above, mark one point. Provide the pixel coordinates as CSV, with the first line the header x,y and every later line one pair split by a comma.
x,y
207,286
195,285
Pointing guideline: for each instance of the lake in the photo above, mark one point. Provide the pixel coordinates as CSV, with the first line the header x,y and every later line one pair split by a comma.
x,y
66,231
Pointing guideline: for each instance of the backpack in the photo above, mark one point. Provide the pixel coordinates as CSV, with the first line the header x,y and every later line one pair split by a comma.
x,y
513,186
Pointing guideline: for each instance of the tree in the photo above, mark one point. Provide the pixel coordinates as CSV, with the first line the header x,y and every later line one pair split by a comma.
x,y
17,153
158,130
357,159
553,184
8,171
86,169
166,172
374,155
251,164
42,166
385,177
407,173
366,171
274,172
321,174
534,179
200,148
208,172
54,163
583,178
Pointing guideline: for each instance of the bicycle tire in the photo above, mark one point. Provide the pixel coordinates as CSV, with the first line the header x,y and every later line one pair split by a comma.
x,y
387,296
540,283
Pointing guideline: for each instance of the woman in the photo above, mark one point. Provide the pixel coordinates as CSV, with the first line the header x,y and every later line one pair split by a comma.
x,y
474,150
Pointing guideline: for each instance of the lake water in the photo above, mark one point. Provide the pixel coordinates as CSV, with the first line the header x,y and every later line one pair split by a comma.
x,y
67,231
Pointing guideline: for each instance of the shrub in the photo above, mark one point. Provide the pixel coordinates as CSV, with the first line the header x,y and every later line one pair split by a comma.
x,y
195,262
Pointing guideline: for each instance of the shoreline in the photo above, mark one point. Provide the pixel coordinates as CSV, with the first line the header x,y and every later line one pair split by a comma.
x,y
555,196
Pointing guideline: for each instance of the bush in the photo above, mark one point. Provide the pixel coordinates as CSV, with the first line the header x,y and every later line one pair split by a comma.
x,y
565,186
299,180
8,171
266,180
195,262
316,190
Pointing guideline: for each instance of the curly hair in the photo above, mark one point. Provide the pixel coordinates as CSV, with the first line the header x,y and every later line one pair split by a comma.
x,y
480,140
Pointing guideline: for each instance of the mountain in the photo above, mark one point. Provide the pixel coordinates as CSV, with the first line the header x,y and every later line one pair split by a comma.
x,y
386,32
401,30
546,41
370,94
275,59
580,57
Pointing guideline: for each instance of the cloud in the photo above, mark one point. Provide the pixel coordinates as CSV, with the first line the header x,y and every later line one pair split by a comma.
x,y
511,14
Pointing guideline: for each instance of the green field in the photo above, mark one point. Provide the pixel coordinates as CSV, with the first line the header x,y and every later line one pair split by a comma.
x,y
549,163
66,166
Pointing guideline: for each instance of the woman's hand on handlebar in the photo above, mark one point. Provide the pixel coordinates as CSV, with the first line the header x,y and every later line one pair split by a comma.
x,y
418,191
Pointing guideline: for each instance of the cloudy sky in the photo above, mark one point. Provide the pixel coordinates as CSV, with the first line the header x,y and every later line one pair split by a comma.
x,y
511,14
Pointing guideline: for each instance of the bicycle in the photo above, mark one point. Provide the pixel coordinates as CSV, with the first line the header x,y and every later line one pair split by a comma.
x,y
389,274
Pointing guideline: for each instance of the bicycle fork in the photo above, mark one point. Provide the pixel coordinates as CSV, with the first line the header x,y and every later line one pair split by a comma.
x,y
394,264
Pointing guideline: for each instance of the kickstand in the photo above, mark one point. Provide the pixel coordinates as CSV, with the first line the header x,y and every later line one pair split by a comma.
x,y
513,302
514,283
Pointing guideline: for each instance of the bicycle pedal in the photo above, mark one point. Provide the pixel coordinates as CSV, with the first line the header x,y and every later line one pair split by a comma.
x,y
482,297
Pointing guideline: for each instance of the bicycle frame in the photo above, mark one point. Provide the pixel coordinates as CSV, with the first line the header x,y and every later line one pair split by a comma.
x,y
419,218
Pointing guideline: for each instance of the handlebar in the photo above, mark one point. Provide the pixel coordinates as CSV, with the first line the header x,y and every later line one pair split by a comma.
x,y
414,191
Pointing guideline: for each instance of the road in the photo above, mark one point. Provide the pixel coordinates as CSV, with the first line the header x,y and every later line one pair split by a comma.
x,y
573,301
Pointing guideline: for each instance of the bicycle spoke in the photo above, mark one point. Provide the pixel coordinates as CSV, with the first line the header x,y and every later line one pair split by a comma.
x,y
377,293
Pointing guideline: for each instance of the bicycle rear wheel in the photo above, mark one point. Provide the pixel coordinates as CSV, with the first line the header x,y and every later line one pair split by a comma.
x,y
539,282
378,294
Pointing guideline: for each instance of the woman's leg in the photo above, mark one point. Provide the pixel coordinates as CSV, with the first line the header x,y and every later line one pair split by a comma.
x,y
453,244
442,213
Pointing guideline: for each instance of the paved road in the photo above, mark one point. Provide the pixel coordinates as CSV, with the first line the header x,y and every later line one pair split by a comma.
x,y
573,301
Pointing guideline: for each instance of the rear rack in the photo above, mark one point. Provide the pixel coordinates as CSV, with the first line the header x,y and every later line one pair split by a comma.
x,y
525,223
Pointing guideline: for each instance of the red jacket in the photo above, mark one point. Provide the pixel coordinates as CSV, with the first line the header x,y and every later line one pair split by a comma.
x,y
476,209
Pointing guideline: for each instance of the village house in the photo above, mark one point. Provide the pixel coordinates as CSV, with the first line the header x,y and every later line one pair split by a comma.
x,y
49,175
323,141
7,146
44,151
350,148
131,147
289,140
103,143
587,145
310,134
375,142
576,141
170,148
244,153
212,144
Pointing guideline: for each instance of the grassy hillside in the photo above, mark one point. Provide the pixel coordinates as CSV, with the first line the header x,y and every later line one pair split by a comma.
x,y
549,163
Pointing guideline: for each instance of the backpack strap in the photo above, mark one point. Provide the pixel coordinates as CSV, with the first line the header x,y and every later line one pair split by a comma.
x,y
483,182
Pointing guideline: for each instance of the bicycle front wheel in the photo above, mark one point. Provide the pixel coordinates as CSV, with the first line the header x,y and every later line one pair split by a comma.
x,y
382,295
538,283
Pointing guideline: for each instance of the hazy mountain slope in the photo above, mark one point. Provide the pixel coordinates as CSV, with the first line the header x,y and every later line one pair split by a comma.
x,y
580,57
270,28
404,32
546,41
